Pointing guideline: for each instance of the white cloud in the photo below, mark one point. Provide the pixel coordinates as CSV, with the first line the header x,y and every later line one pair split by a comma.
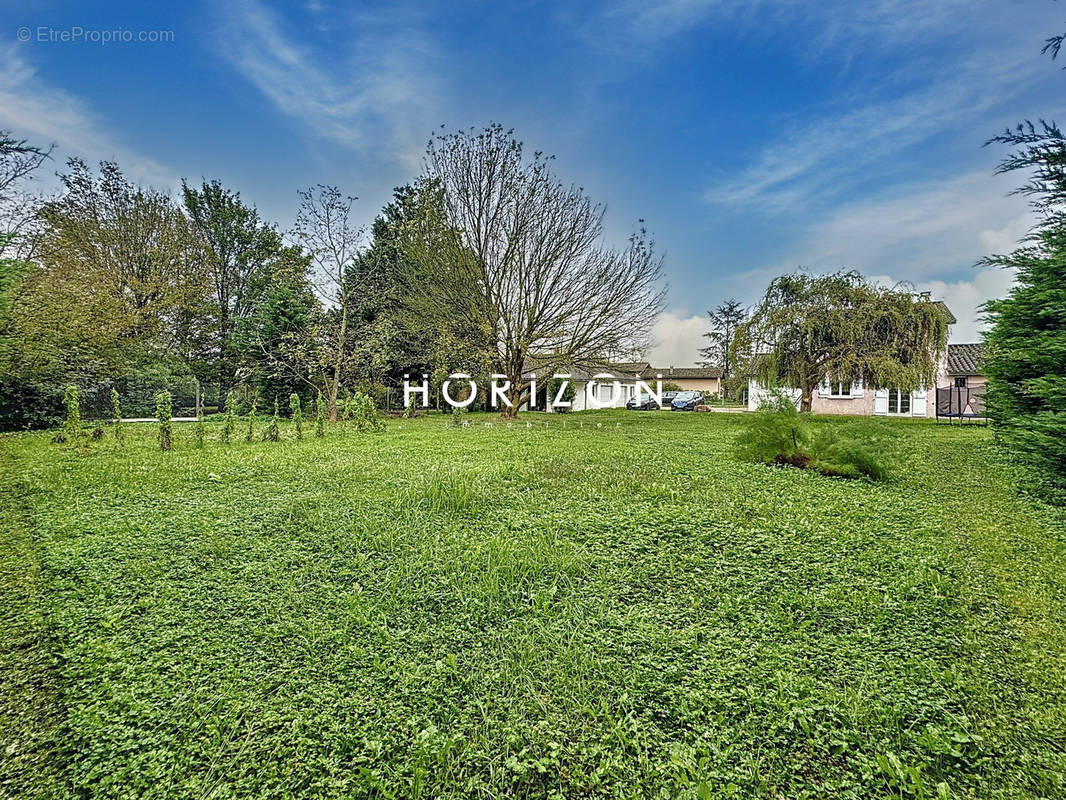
x,y
42,114
676,339
382,97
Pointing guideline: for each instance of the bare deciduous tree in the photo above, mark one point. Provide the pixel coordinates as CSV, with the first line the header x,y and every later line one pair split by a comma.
x,y
324,228
18,209
521,256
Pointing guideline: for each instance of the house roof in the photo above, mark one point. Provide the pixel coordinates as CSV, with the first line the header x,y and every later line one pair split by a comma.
x,y
689,372
623,369
964,359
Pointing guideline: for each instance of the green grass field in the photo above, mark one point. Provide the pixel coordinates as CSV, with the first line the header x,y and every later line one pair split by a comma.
x,y
617,609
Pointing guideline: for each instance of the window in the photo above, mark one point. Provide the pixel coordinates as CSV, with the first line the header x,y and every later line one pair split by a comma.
x,y
899,402
840,390
960,382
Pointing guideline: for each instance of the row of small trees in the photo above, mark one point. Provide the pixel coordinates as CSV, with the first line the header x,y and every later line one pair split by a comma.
x,y
359,408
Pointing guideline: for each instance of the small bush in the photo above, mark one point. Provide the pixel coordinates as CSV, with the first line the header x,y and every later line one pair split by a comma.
x,y
297,414
163,412
568,394
97,434
199,430
457,416
72,425
363,412
116,413
273,431
779,434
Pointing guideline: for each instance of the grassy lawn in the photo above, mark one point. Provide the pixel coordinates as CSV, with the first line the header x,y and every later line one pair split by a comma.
x,y
617,609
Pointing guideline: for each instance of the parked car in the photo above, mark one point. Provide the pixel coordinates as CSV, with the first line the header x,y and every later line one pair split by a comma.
x,y
668,398
642,402
686,401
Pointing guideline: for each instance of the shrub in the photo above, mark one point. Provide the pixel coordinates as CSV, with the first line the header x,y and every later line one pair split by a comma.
x,y
273,432
848,457
249,434
116,413
320,417
779,434
72,425
199,431
163,411
297,414
568,394
97,434
364,412
457,416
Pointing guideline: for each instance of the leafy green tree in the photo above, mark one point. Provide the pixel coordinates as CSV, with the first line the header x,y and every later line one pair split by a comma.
x,y
808,328
1025,347
242,254
276,340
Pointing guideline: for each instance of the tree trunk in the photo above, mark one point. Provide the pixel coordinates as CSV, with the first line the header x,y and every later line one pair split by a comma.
x,y
335,387
806,399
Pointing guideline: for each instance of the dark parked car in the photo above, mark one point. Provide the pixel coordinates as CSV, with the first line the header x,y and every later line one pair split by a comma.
x,y
642,402
686,401
668,398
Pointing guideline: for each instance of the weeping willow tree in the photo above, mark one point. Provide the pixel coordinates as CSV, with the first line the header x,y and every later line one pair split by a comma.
x,y
840,327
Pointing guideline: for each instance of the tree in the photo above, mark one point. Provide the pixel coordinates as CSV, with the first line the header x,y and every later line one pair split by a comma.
x,y
513,258
724,321
242,252
276,340
807,329
18,161
1025,347
324,228
116,287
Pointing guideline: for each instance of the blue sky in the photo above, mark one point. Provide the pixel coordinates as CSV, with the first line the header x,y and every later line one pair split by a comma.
x,y
751,137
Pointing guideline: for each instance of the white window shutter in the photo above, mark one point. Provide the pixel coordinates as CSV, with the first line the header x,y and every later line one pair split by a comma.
x,y
881,401
918,403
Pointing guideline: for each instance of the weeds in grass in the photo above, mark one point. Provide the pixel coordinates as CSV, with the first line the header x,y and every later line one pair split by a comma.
x,y
448,491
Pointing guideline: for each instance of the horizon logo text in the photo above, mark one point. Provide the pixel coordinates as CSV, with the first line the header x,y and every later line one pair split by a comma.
x,y
498,391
